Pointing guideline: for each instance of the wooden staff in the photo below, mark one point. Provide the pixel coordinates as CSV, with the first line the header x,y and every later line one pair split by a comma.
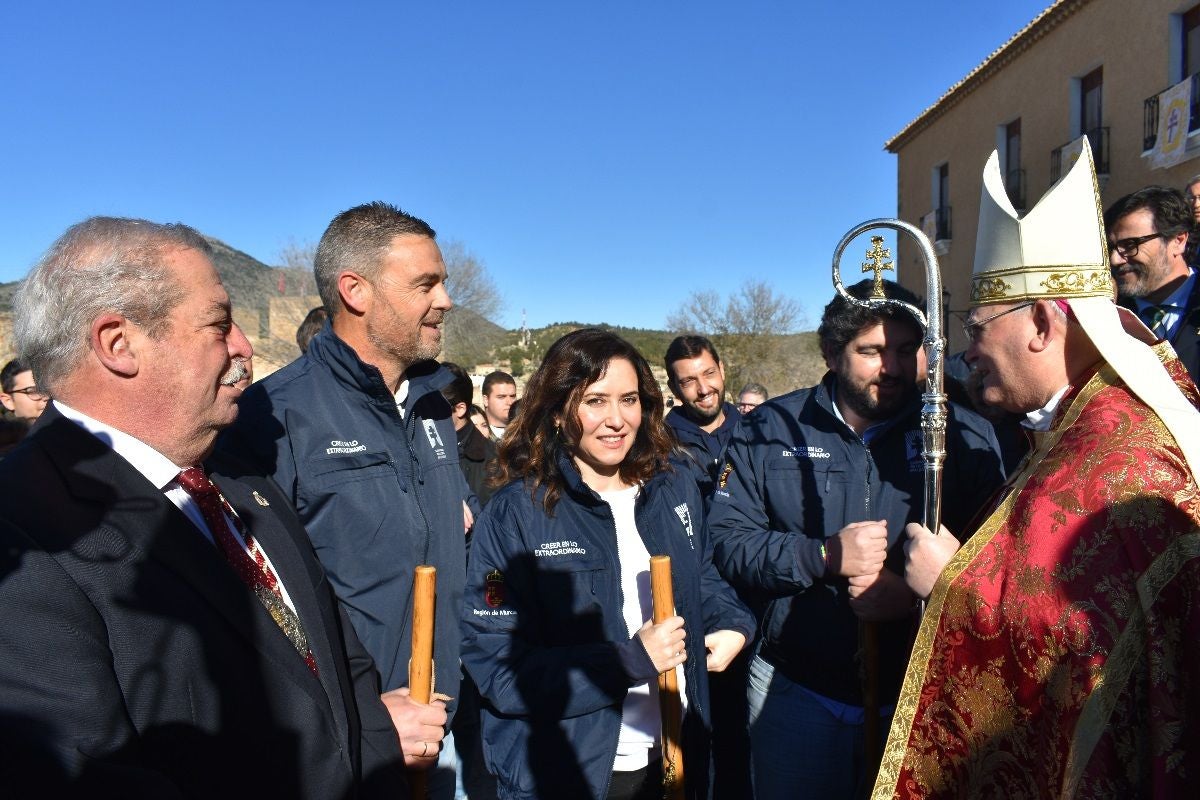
x,y
420,664
668,684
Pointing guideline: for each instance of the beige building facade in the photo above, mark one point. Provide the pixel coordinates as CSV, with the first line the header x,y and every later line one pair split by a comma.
x,y
1083,67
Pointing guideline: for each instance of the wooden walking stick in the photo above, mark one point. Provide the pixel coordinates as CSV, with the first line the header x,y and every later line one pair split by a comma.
x,y
420,665
933,423
669,706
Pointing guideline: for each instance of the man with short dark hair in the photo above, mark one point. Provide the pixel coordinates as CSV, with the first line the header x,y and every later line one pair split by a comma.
x,y
20,394
358,434
808,515
167,630
313,321
499,394
702,421
1148,234
475,451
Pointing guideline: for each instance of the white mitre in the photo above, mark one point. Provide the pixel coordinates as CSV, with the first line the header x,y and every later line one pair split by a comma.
x,y
1059,251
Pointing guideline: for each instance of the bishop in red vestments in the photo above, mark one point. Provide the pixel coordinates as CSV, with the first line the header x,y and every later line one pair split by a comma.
x,y
1060,651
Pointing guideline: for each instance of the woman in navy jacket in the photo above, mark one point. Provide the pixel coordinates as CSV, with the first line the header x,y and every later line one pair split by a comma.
x,y
556,620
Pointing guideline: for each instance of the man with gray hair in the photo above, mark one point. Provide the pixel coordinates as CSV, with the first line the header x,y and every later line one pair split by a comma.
x,y
160,616
751,397
1059,655
358,434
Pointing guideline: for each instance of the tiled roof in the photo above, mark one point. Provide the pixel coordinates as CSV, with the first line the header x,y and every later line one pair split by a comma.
x,y
1042,24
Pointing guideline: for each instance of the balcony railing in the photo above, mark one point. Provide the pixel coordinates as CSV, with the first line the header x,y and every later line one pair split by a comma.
x,y
942,223
1150,115
1014,182
1098,139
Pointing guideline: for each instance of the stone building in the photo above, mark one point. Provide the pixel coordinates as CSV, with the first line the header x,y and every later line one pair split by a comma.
x,y
1108,69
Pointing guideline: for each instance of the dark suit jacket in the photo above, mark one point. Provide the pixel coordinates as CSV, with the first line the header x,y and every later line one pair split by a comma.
x,y
1186,339
134,662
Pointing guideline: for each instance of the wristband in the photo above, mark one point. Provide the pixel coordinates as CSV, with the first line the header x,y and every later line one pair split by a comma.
x,y
825,558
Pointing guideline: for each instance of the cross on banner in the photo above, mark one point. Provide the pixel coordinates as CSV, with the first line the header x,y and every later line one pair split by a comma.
x,y
875,263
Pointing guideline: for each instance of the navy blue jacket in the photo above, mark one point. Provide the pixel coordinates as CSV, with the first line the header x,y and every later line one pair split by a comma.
x,y
701,452
545,639
795,474
378,494
1186,339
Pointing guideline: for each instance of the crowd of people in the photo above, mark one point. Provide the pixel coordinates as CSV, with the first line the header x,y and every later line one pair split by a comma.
x,y
208,582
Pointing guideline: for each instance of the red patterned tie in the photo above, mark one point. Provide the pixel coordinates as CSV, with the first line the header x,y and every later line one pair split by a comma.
x,y
255,572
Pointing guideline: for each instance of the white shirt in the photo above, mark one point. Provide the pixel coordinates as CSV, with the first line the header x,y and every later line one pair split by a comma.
x,y
641,722
1173,307
162,473
401,396
1040,419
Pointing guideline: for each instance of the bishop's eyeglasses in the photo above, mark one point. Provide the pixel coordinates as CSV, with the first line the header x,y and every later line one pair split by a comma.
x,y
972,327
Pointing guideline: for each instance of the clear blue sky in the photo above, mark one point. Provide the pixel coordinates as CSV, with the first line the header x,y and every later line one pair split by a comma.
x,y
603,159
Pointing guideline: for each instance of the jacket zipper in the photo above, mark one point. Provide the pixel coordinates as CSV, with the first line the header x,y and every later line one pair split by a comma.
x,y
621,610
417,479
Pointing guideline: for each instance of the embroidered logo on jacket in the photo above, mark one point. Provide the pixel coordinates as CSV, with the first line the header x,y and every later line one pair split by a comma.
x,y
493,592
801,451
685,516
547,549
435,438
914,440
338,447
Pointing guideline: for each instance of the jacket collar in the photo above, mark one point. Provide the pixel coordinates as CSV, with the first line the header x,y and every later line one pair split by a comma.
x,y
824,398
680,421
583,494
339,358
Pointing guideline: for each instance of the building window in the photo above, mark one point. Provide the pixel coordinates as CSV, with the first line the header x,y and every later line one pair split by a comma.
x,y
1087,119
942,201
1091,112
1014,176
1191,42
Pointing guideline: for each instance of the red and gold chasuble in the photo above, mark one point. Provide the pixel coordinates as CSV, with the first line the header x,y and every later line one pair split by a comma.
x,y
1060,652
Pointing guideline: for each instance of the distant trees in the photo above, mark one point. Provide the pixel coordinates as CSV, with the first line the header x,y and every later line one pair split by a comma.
x,y
754,330
296,259
469,335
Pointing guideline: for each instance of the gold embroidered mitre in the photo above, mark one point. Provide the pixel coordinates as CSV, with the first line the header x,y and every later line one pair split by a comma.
x,y
1057,250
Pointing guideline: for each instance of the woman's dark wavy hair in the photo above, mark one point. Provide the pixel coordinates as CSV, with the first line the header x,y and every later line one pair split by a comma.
x,y
548,424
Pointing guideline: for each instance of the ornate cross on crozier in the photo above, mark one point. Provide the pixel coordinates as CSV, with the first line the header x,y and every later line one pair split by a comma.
x,y
875,263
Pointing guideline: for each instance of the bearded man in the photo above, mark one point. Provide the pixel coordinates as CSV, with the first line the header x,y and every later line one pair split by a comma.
x,y
359,436
1060,652
1150,232
807,517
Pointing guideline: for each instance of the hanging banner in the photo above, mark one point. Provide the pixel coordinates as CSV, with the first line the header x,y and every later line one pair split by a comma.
x,y
1174,114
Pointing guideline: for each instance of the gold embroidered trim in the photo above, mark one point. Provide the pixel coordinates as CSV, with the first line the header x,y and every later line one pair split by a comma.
x,y
1048,281
1125,655
990,289
918,664
1077,282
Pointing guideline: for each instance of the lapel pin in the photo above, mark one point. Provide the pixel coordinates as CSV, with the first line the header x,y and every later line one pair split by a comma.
x,y
258,498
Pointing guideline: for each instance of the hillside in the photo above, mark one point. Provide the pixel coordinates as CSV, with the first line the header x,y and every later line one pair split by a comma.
x,y
797,356
269,303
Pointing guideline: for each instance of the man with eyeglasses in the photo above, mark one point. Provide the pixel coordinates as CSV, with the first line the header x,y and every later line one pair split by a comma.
x,y
751,397
20,394
1148,239
1059,653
